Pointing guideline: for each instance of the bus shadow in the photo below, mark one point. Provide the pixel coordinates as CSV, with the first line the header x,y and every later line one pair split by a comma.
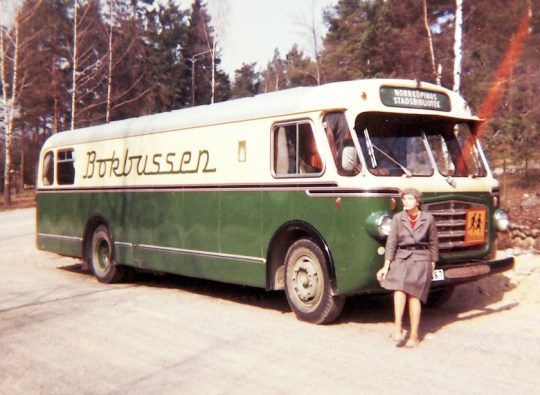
x,y
469,301
257,297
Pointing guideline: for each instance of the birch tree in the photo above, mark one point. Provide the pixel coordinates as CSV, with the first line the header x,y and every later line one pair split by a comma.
x,y
124,50
9,98
312,31
458,45
12,86
436,74
75,65
89,63
220,10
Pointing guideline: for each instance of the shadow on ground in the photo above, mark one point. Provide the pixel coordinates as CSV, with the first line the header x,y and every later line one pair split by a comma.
x,y
468,301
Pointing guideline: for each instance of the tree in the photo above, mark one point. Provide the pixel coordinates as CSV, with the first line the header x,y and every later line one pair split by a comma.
x,y
300,69
458,50
373,39
221,11
167,68
45,109
274,78
314,37
89,64
343,57
511,104
13,83
126,58
201,50
246,81
436,74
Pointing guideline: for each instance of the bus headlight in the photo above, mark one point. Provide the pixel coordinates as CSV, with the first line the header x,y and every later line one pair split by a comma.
x,y
378,225
502,219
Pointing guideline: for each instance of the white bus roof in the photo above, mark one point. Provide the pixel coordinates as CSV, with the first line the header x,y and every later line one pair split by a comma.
x,y
333,96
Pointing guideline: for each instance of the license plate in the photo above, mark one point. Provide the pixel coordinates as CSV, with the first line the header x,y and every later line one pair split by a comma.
x,y
438,275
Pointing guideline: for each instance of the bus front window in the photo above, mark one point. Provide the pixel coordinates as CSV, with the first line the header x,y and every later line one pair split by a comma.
x,y
396,145
455,150
393,145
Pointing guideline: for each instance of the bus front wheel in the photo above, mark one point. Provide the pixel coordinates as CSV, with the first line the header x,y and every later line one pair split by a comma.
x,y
102,259
307,284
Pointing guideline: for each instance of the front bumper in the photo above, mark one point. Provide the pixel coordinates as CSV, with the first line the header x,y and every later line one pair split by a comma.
x,y
458,274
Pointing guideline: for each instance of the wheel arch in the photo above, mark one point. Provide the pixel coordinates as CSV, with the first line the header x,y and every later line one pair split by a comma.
x,y
282,239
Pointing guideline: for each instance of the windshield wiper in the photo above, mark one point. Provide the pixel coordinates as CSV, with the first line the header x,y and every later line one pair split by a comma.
x,y
403,168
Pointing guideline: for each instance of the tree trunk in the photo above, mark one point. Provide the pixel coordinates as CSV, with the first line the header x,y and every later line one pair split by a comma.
x,y
9,99
109,74
430,45
75,66
458,45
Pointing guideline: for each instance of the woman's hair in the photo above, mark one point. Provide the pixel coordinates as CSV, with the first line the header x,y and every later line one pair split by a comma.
x,y
414,192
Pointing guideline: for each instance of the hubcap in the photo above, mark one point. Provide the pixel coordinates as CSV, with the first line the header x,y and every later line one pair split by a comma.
x,y
103,254
306,280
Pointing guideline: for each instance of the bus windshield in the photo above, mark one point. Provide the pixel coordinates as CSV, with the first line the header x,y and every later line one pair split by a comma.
x,y
397,145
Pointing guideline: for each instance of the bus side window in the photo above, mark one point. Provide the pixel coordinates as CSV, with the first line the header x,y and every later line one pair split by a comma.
x,y
309,159
65,167
48,169
295,151
281,152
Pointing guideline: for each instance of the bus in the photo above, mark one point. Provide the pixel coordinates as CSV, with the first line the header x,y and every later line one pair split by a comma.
x,y
292,191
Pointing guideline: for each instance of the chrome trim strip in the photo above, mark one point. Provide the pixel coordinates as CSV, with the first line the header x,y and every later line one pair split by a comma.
x,y
207,254
60,237
348,192
289,185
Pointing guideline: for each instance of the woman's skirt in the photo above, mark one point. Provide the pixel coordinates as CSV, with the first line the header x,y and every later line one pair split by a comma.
x,y
410,276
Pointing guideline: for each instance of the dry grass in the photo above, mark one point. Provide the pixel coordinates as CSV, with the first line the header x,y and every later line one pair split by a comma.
x,y
23,199
514,191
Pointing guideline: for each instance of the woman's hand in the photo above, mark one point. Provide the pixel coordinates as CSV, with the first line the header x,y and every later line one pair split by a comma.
x,y
381,274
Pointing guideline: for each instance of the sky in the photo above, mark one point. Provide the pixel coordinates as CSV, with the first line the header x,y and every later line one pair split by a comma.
x,y
253,29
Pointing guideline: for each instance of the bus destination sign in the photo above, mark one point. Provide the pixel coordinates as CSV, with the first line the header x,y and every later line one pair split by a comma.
x,y
415,98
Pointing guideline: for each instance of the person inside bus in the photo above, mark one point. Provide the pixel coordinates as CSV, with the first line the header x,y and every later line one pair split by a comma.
x,y
339,137
410,256
309,159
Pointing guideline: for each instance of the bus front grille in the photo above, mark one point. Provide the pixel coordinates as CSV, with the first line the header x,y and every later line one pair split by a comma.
x,y
450,217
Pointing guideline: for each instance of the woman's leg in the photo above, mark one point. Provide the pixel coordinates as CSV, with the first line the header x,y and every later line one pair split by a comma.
x,y
400,299
415,311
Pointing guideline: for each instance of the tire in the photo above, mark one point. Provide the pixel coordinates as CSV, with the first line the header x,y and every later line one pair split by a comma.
x,y
439,297
307,284
102,257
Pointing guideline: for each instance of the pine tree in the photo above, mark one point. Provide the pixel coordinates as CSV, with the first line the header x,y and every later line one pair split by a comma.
x,y
208,83
166,61
246,81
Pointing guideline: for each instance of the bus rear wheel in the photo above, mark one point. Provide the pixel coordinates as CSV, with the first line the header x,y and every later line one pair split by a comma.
x,y
102,259
307,284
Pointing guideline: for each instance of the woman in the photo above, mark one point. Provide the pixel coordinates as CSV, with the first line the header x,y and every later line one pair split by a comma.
x,y
411,252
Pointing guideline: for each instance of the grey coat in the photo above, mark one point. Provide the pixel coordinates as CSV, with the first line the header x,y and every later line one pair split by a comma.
x,y
411,252
401,235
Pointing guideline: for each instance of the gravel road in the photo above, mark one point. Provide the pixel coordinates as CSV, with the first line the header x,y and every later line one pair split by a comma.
x,y
62,332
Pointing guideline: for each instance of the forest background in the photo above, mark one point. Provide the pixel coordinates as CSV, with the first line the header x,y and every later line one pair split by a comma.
x,y
73,63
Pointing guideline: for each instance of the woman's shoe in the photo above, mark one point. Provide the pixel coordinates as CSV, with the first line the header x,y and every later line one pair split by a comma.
x,y
411,343
399,337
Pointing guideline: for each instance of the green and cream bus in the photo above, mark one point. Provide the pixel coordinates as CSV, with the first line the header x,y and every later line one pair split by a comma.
x,y
292,190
